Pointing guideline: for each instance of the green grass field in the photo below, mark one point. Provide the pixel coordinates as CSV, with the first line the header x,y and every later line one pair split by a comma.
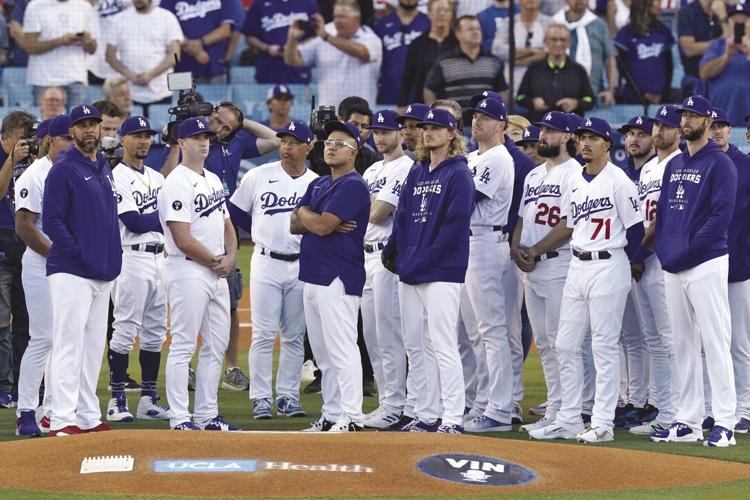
x,y
236,408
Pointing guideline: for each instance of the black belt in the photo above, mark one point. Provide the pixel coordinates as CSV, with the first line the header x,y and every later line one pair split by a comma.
x,y
603,255
293,257
546,256
374,248
150,248
494,229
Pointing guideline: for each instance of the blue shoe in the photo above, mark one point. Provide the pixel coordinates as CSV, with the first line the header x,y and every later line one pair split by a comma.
x,y
720,437
287,407
217,424
417,425
677,433
743,426
451,429
586,419
630,413
6,400
185,426
708,424
26,425
487,424
262,409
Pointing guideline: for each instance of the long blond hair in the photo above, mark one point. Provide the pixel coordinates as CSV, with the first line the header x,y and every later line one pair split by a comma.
x,y
456,147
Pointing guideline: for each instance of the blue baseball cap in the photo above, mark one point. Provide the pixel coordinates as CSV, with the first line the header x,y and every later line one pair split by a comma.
x,y
386,119
42,128
297,129
415,111
641,122
738,8
697,104
487,94
574,120
595,126
530,134
439,117
279,90
346,127
668,115
556,120
720,116
491,107
84,112
134,124
193,126
59,126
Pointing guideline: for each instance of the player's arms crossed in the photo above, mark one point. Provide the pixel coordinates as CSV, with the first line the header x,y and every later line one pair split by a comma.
x,y
26,230
225,263
189,246
320,224
380,211
295,224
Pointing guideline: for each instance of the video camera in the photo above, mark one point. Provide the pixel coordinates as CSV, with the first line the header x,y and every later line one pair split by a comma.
x,y
188,105
112,150
318,119
29,135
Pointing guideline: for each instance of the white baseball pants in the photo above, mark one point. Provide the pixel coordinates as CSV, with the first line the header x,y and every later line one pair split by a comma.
x,y
473,358
631,339
739,307
513,303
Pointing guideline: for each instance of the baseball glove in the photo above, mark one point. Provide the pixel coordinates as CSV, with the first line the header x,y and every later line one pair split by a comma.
x,y
389,262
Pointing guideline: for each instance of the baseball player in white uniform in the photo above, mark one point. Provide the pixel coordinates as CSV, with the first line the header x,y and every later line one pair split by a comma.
x,y
201,245
483,294
29,193
268,194
541,247
139,294
381,318
603,205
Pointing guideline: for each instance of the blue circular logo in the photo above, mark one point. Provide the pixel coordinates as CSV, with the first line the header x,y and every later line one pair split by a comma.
x,y
475,470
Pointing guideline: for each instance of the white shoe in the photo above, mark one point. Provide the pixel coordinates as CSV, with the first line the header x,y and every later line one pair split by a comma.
x,y
376,413
677,433
308,371
149,409
320,425
539,424
595,435
553,431
382,420
648,428
516,414
345,426
117,411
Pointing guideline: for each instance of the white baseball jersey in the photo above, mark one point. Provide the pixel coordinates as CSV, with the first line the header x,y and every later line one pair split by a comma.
x,y
29,188
649,185
493,173
545,194
269,195
385,181
137,192
601,210
197,199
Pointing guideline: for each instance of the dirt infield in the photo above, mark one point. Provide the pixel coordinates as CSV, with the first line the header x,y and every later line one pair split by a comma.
x,y
298,464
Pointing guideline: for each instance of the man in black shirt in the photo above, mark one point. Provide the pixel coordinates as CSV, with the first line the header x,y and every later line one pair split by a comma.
x,y
556,83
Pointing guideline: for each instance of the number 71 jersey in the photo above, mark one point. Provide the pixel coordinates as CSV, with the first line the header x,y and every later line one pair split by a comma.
x,y
601,210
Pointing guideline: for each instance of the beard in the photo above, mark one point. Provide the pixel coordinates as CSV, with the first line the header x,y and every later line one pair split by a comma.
x,y
547,151
87,145
663,143
407,6
694,134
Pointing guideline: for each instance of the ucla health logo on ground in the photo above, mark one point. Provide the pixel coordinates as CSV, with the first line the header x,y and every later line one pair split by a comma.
x,y
475,470
212,465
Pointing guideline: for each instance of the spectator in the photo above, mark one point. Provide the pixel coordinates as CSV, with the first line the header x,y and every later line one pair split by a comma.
x,y
266,26
18,55
398,30
99,70
52,102
366,8
516,126
4,42
111,117
726,67
466,70
346,54
207,26
471,7
279,102
355,110
490,18
117,90
645,47
698,23
528,32
146,38
237,12
591,47
556,82
426,49
57,36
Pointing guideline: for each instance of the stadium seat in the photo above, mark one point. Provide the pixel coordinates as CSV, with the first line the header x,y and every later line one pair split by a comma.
x,y
12,75
250,98
94,93
159,115
242,74
20,94
618,114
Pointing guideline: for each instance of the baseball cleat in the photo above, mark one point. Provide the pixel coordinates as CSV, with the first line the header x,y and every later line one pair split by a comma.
x,y
6,400
487,424
185,426
647,414
625,414
68,430
262,409
345,426
308,371
648,428
102,427
288,407
402,422
743,426
26,425
235,380
539,410
417,425
451,429
720,437
553,431
382,420
117,410
539,424
595,435
708,424
150,409
320,425
517,413
44,424
677,433
217,424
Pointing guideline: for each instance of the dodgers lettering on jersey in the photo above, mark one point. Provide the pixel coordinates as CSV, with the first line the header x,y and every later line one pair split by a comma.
x,y
137,192
493,174
649,186
269,195
30,192
600,211
385,182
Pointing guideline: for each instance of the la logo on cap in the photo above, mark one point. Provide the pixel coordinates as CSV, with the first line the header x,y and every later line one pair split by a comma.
x,y
485,93
86,110
663,111
282,88
484,104
380,118
200,124
408,109
526,133
291,126
588,123
430,115
639,121
690,101
713,114
548,117
141,122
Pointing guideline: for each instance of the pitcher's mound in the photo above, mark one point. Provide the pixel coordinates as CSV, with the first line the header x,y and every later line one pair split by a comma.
x,y
348,464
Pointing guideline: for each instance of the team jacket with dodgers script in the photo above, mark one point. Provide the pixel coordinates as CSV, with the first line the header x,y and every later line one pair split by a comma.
x,y
79,215
695,207
431,226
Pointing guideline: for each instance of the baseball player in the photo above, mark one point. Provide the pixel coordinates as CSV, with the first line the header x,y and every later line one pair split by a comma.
x,y
139,293
429,249
381,319
332,217
739,271
79,215
540,246
29,192
492,169
529,144
410,133
201,245
692,218
268,194
650,298
603,207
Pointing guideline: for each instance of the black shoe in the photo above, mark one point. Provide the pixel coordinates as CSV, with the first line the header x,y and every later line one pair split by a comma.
x,y
314,386
368,388
398,425
132,385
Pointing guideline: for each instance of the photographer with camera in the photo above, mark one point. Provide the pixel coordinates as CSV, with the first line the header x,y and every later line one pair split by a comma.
x,y
19,148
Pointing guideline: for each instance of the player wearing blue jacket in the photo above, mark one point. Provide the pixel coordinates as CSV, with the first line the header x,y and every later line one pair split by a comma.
x,y
79,215
695,208
429,246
